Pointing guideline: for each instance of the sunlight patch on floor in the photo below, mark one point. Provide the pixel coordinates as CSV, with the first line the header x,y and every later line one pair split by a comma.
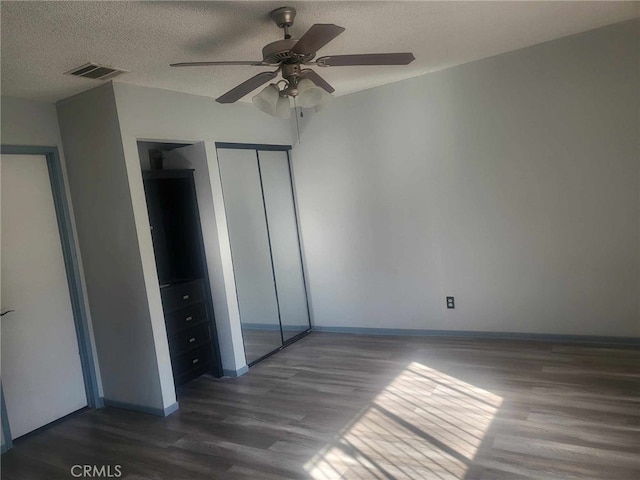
x,y
424,424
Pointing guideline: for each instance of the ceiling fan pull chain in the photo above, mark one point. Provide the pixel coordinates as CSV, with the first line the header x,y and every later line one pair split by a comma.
x,y
295,109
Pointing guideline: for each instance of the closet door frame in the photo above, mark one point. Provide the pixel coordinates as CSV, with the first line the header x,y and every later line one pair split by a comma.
x,y
72,269
256,147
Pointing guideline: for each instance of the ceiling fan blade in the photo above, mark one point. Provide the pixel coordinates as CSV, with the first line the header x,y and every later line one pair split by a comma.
x,y
316,37
318,80
245,87
366,59
206,64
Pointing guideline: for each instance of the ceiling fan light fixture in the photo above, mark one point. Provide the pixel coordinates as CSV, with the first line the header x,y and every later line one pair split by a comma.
x,y
309,95
267,99
283,107
271,102
326,98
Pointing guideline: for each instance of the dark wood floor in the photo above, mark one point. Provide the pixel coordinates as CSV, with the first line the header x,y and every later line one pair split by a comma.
x,y
363,407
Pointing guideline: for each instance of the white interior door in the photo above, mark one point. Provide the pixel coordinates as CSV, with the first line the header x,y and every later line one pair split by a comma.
x,y
41,371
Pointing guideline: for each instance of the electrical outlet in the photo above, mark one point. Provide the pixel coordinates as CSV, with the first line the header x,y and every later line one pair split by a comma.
x,y
451,302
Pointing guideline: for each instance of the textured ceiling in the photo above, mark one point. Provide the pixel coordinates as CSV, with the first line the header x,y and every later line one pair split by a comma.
x,y
41,40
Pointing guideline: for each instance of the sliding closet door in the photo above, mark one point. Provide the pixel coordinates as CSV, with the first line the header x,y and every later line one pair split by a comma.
x,y
285,245
253,270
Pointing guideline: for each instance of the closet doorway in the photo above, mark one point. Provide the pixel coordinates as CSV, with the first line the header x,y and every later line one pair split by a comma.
x,y
265,246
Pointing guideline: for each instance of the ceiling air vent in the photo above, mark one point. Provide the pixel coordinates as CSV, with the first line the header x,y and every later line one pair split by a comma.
x,y
96,71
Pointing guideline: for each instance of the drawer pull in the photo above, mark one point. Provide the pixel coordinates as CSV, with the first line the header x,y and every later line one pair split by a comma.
x,y
185,297
195,360
192,339
188,319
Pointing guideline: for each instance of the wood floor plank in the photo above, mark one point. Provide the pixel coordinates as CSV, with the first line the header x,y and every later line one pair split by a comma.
x,y
366,407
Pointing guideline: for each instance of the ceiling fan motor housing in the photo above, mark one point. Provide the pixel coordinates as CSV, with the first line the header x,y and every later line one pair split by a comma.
x,y
280,51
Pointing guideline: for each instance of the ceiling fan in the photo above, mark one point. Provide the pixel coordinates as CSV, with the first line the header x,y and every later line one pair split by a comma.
x,y
292,56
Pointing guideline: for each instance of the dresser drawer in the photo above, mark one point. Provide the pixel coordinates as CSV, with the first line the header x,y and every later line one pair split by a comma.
x,y
181,295
189,339
184,318
191,360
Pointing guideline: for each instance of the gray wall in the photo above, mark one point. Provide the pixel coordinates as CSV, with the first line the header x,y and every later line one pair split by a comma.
x,y
131,354
152,114
510,183
26,122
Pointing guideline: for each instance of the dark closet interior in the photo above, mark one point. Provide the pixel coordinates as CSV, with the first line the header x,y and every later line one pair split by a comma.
x,y
182,273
